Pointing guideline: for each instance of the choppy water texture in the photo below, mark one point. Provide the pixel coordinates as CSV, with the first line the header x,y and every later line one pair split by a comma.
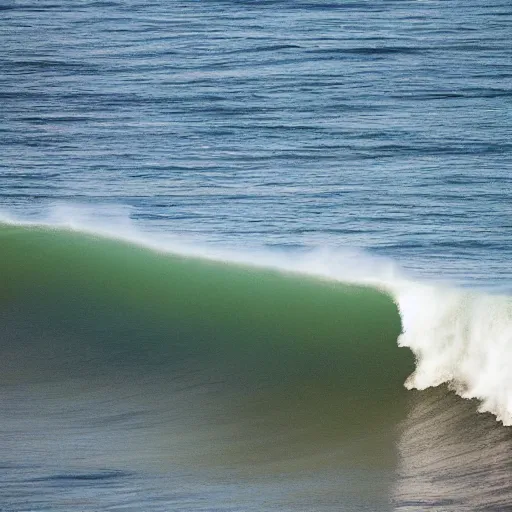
x,y
223,230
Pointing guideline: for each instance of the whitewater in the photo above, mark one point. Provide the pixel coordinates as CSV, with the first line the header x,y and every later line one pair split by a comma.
x,y
459,337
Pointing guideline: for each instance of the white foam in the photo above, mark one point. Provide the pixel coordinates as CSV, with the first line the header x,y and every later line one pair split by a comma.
x,y
463,339
458,337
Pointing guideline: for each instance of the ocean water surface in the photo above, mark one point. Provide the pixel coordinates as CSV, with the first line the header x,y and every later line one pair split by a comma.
x,y
255,255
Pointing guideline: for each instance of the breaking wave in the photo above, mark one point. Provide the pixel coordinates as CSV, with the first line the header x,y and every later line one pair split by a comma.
x,y
69,269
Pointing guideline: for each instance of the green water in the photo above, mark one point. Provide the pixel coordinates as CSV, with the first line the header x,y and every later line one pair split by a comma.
x,y
288,357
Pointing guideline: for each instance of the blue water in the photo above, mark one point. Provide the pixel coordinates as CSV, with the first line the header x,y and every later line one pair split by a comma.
x,y
280,126
383,125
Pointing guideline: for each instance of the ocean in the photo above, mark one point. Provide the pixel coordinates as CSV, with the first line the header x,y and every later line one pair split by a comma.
x,y
255,256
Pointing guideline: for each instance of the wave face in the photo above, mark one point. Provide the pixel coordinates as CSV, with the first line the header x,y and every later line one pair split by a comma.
x,y
89,297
